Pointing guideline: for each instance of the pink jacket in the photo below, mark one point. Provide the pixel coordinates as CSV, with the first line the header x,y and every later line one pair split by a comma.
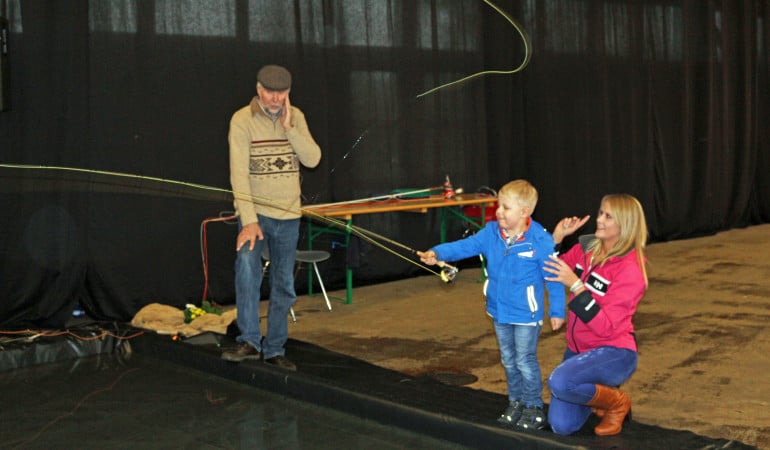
x,y
617,287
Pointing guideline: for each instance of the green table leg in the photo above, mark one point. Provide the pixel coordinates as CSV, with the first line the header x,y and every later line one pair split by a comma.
x,y
348,270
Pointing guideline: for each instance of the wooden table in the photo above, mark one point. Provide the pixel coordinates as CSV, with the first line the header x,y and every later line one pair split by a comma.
x,y
450,208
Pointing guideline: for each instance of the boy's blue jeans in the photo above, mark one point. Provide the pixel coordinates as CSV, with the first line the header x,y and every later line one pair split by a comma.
x,y
281,236
518,352
573,383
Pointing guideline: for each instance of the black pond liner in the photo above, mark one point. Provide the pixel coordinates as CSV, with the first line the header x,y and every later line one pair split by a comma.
x,y
425,405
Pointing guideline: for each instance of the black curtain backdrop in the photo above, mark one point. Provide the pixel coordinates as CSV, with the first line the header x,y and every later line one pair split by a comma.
x,y
666,100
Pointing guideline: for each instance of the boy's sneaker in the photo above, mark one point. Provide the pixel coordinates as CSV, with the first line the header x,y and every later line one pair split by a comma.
x,y
532,418
512,413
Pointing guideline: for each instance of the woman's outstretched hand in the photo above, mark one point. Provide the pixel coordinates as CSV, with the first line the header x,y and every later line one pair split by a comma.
x,y
567,226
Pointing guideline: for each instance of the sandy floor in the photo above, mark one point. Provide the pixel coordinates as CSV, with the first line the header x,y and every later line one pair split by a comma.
x,y
704,348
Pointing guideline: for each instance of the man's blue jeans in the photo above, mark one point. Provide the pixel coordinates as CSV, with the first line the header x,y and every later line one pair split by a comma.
x,y
281,237
573,383
518,352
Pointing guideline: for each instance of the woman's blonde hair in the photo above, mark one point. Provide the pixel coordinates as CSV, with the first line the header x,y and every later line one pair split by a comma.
x,y
628,213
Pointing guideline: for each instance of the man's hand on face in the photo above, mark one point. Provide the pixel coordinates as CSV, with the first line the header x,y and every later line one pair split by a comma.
x,y
286,114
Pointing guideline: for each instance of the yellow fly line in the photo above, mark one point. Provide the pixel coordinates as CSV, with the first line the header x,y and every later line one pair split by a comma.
x,y
367,235
525,61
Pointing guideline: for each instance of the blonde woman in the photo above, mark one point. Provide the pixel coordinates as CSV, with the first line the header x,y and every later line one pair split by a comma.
x,y
605,273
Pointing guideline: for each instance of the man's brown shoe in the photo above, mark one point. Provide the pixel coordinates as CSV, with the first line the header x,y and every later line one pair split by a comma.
x,y
244,351
282,362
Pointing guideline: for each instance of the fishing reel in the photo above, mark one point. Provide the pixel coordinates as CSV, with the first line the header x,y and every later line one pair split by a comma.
x,y
448,273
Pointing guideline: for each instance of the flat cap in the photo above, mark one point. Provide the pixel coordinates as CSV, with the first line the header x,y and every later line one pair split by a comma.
x,y
274,78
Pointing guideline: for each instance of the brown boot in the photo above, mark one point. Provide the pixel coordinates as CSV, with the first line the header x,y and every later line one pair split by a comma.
x,y
616,405
600,414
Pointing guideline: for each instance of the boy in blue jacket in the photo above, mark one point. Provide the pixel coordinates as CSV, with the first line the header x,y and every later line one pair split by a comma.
x,y
515,249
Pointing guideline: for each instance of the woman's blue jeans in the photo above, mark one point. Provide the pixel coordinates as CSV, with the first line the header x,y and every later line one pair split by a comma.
x,y
281,237
518,352
573,383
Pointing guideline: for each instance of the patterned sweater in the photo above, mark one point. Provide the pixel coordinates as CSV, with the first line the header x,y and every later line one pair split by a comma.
x,y
265,162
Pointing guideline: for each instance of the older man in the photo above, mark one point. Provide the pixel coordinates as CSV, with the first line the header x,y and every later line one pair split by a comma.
x,y
269,140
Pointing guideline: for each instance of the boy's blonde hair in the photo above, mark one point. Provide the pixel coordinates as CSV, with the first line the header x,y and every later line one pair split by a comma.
x,y
522,191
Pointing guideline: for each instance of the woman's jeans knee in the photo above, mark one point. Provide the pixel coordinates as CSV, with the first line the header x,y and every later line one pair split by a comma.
x,y
572,383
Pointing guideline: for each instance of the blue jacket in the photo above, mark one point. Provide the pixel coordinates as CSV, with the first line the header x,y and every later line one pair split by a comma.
x,y
516,279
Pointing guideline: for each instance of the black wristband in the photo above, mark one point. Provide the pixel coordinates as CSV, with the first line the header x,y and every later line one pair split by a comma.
x,y
584,306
